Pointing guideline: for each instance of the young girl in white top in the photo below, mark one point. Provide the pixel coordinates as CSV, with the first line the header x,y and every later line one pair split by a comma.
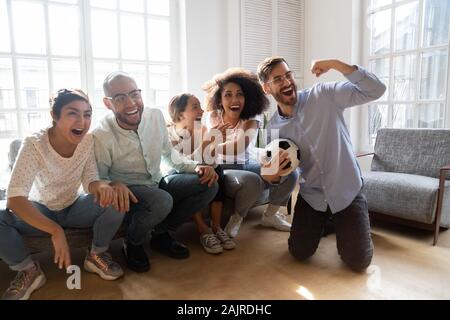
x,y
235,97
190,138
44,197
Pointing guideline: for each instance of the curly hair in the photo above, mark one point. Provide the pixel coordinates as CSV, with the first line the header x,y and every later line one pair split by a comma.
x,y
256,101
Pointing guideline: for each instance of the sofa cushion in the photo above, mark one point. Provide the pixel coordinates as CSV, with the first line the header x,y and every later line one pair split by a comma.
x,y
406,196
413,151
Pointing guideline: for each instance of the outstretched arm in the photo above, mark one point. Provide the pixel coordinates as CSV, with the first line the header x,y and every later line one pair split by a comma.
x,y
361,87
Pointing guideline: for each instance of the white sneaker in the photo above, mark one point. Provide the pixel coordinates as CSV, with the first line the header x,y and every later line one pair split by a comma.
x,y
233,225
277,221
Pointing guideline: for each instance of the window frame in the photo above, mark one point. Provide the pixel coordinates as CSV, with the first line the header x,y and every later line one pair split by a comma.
x,y
86,57
417,51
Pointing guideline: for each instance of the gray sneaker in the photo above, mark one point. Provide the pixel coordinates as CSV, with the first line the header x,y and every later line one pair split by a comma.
x,y
226,242
103,265
25,283
210,243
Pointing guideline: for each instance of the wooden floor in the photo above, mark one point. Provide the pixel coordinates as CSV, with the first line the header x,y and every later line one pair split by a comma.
x,y
405,266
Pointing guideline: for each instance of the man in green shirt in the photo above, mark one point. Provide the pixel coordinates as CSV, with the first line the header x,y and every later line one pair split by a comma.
x,y
129,146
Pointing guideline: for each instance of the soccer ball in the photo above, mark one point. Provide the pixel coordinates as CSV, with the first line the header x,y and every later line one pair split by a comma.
x,y
273,148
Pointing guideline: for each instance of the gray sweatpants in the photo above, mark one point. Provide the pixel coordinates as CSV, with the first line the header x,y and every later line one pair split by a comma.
x,y
244,184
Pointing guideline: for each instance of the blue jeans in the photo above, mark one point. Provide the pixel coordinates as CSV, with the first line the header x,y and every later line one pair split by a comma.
x,y
189,197
83,213
154,204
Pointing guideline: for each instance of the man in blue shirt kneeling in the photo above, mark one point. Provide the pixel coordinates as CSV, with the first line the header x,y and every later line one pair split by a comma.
x,y
331,178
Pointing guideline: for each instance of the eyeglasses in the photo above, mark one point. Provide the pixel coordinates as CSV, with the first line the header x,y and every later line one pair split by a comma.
x,y
121,98
280,79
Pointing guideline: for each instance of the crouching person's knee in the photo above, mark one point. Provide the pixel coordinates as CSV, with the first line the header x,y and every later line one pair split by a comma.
x,y
301,251
358,262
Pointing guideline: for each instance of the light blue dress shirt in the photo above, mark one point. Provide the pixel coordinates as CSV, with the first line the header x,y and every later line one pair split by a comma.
x,y
330,172
134,158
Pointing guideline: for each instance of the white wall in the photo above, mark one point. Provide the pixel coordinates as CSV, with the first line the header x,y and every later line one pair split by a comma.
x,y
328,34
212,42
206,42
332,31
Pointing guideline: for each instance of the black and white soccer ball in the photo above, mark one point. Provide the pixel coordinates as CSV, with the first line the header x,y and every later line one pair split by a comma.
x,y
273,148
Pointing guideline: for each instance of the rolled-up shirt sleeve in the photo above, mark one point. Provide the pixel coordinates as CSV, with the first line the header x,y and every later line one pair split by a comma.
x,y
361,87
27,166
102,158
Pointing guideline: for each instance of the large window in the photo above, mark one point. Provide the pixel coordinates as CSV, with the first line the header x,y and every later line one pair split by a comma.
x,y
47,45
407,46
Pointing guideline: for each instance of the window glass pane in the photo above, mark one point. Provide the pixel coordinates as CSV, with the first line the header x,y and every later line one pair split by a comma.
x,y
132,5
160,7
434,75
101,70
109,4
403,116
8,125
33,121
159,86
64,36
379,3
431,115
4,27
436,22
132,28
33,79
7,99
404,77
380,32
4,162
158,40
66,74
137,71
380,67
29,27
378,118
406,19
104,39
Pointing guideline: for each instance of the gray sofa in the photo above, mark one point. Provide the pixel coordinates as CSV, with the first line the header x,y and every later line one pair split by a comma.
x,y
409,180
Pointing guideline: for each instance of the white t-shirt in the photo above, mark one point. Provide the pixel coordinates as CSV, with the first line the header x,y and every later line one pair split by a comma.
x,y
211,119
44,176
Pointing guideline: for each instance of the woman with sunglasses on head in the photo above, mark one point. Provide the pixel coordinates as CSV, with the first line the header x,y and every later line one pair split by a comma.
x,y
236,98
43,197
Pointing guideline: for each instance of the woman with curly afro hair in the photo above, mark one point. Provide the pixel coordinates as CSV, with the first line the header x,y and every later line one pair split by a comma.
x,y
236,98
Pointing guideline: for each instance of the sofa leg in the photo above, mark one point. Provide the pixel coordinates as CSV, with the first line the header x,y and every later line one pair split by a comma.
x,y
436,235
439,206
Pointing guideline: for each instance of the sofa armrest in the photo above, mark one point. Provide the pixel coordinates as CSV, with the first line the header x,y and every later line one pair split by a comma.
x,y
365,154
444,168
